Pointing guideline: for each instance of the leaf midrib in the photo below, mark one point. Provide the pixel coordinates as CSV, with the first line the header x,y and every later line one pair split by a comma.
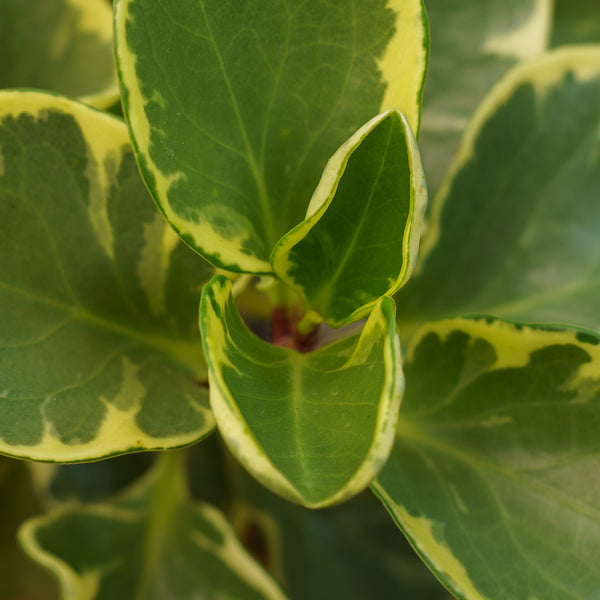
x,y
252,163
328,292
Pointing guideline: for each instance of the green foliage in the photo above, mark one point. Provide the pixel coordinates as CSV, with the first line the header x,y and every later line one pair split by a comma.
x,y
283,142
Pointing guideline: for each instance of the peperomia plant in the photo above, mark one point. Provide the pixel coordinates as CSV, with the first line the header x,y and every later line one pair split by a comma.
x,y
278,300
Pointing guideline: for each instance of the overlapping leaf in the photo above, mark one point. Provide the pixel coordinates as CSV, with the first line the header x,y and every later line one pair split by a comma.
x,y
473,44
235,107
151,543
360,238
493,474
99,348
515,229
60,45
316,427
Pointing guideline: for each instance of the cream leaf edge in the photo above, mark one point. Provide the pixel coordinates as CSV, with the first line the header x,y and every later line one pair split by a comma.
x,y
242,442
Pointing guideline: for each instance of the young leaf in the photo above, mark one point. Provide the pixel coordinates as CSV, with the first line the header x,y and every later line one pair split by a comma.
x,y
151,543
59,45
493,474
99,348
473,44
235,106
514,232
360,238
315,428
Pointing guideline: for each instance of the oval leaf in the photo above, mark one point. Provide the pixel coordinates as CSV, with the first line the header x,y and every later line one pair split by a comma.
x,y
236,106
151,543
61,45
315,428
514,232
99,348
492,474
360,238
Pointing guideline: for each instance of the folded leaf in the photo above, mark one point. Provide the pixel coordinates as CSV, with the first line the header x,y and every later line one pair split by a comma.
x,y
59,45
473,44
360,238
151,543
515,231
315,428
99,348
235,106
493,477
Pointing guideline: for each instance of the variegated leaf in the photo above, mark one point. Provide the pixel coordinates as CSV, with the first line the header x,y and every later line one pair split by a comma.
x,y
317,427
493,477
235,106
473,43
514,231
99,348
360,238
151,543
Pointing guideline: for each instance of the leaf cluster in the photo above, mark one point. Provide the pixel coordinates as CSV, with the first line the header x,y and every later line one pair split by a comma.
x,y
280,278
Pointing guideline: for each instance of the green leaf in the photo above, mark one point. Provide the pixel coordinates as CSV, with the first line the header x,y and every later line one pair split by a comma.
x,y
151,543
576,22
473,43
99,347
60,45
492,474
360,238
235,106
315,428
514,232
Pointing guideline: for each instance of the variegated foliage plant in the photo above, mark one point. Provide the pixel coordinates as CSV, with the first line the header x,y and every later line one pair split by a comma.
x,y
281,141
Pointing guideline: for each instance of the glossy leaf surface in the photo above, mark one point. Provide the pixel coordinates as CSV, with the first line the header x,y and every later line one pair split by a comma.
x,y
60,45
151,543
360,238
473,44
493,476
317,427
514,232
235,107
99,347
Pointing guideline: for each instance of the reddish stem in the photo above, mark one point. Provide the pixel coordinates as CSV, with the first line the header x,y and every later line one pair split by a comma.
x,y
284,331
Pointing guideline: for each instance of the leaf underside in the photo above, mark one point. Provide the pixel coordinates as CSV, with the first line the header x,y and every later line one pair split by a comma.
x,y
99,348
